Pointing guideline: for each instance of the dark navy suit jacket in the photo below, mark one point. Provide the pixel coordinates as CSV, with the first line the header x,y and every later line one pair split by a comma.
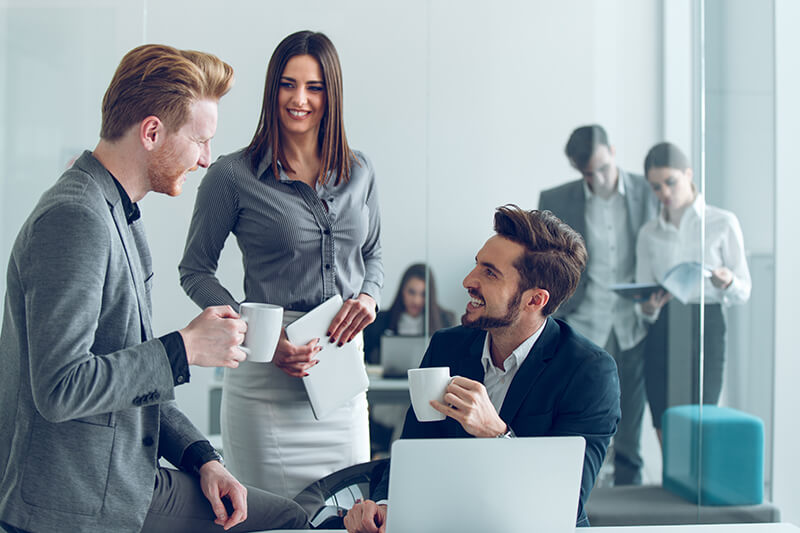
x,y
566,386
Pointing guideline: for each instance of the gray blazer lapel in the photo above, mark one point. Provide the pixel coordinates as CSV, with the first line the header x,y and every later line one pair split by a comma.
x,y
640,201
634,200
575,208
530,371
145,272
137,252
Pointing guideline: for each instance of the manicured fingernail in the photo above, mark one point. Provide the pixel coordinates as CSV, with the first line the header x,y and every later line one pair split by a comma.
x,y
329,334
341,344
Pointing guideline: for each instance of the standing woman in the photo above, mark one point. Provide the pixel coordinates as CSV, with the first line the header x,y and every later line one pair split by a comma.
x,y
672,238
304,209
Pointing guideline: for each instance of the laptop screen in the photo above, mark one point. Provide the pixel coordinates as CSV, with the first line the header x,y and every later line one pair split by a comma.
x,y
478,485
400,353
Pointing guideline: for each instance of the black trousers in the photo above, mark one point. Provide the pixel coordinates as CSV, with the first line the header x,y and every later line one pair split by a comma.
x,y
179,506
656,357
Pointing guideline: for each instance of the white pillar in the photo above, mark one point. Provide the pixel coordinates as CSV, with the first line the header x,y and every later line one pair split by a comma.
x,y
786,466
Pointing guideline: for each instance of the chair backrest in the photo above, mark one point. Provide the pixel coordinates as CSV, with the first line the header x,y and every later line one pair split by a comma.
x,y
327,500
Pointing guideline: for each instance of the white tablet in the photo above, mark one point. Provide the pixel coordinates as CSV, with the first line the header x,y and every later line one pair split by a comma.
x,y
340,374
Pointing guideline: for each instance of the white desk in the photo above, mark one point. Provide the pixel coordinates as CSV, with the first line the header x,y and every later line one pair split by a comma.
x,y
722,528
704,528
387,390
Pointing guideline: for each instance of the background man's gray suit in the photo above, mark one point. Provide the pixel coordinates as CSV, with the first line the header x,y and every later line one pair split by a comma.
x,y
87,405
568,202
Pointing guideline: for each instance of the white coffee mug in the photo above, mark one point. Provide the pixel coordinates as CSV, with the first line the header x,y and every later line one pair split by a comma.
x,y
424,385
264,325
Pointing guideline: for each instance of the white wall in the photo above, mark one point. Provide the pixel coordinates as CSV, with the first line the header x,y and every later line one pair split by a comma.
x,y
462,106
786,470
509,82
740,176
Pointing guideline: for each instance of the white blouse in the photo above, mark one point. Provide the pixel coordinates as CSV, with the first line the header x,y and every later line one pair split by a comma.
x,y
661,245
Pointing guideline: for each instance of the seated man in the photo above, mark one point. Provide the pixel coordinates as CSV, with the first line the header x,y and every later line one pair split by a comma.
x,y
521,373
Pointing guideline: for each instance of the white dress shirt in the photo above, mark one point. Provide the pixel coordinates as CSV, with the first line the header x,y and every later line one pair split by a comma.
x,y
498,381
661,245
410,325
611,260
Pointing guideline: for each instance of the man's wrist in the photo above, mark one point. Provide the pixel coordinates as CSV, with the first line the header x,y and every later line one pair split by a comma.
x,y
210,457
507,433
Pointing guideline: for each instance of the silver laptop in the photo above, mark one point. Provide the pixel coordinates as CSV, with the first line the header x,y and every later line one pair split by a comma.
x,y
478,485
399,353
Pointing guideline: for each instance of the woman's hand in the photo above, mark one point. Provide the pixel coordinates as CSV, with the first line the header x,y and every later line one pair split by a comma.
x,y
293,359
656,301
721,277
354,316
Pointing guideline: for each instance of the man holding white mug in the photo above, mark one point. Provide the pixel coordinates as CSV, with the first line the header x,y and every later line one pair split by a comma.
x,y
519,372
87,389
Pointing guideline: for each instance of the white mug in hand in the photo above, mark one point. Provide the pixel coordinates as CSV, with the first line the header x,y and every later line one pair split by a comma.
x,y
264,325
424,385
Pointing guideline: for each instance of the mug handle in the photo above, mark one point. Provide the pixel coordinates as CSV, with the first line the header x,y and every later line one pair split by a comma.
x,y
242,347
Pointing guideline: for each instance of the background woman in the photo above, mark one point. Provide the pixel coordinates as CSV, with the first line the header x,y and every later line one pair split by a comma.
x,y
304,209
672,238
408,313
407,316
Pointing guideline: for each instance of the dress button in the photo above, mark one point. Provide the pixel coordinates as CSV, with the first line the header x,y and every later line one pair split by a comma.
x,y
327,267
181,379
147,441
327,232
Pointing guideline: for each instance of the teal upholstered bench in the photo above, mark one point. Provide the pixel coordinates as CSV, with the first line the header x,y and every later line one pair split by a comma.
x,y
713,472
713,455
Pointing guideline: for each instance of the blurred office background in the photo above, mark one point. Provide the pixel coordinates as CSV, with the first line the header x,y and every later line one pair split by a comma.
x,y
463,105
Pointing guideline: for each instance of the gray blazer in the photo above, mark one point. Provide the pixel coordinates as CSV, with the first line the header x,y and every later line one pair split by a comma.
x,y
568,202
87,394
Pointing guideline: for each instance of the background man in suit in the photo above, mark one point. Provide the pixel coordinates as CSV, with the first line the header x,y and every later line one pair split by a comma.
x,y
607,207
520,372
87,391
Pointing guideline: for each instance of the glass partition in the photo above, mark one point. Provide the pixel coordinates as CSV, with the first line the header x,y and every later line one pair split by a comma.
x,y
464,106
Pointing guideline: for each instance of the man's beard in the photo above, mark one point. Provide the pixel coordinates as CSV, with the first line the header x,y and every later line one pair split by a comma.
x,y
164,175
493,322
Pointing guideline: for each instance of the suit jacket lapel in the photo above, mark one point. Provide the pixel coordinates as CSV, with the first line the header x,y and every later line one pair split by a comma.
x,y
634,203
470,367
540,355
130,241
577,208
142,257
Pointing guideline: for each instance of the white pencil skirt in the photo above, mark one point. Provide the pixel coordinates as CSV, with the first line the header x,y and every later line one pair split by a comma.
x,y
270,438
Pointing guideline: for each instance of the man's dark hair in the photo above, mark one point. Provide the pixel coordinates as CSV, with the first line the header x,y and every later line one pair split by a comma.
x,y
583,142
554,255
665,155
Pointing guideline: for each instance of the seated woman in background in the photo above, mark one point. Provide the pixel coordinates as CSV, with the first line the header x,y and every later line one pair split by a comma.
x,y
407,314
673,238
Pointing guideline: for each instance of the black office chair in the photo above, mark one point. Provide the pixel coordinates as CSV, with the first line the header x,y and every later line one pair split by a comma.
x,y
327,501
